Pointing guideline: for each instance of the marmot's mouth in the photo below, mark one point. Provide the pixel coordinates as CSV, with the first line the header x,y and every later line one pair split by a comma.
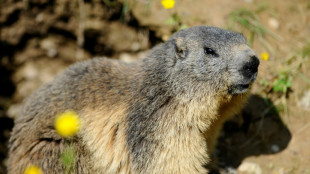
x,y
238,88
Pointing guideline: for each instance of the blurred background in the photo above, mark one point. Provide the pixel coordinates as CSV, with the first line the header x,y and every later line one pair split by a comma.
x,y
40,38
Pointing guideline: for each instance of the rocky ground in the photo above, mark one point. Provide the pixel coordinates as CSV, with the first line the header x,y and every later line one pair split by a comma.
x,y
39,38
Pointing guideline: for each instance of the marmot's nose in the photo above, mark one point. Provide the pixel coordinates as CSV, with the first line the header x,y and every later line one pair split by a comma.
x,y
250,68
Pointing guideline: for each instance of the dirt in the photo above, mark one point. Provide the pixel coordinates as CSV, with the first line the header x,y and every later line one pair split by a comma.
x,y
40,38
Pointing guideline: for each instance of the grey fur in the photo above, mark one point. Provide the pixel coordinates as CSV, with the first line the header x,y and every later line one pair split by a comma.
x,y
174,70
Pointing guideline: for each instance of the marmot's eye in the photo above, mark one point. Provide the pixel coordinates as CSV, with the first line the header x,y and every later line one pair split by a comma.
x,y
210,51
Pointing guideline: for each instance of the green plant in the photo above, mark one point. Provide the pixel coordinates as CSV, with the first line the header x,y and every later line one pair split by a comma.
x,y
283,80
176,21
305,51
282,83
248,20
110,3
68,159
125,16
297,59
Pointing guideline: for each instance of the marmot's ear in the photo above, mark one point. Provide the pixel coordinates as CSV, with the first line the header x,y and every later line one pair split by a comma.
x,y
180,48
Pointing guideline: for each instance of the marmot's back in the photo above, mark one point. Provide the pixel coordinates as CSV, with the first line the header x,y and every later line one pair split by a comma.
x,y
91,84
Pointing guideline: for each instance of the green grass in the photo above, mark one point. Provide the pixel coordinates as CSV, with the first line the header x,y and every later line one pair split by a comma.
x,y
248,21
176,21
295,61
305,51
283,82
68,159
110,3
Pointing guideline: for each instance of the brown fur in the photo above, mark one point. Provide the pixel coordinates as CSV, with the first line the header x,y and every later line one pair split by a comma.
x,y
104,132
159,115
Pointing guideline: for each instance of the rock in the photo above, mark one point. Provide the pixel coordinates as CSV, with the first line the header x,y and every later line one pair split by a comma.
x,y
49,44
14,110
126,57
40,18
273,23
52,52
275,148
33,74
305,101
248,1
278,171
230,170
249,168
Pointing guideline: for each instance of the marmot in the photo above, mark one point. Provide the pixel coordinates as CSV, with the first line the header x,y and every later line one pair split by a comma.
x,y
158,115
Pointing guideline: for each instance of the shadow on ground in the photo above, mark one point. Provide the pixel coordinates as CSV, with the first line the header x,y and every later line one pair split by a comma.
x,y
259,130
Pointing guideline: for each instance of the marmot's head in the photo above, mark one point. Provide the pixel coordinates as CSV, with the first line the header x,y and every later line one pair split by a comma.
x,y
213,58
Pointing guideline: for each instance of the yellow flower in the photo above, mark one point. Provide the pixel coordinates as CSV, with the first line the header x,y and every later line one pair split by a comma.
x,y
265,56
33,170
168,3
67,124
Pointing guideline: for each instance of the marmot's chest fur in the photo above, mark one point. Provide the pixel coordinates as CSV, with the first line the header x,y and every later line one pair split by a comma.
x,y
159,115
